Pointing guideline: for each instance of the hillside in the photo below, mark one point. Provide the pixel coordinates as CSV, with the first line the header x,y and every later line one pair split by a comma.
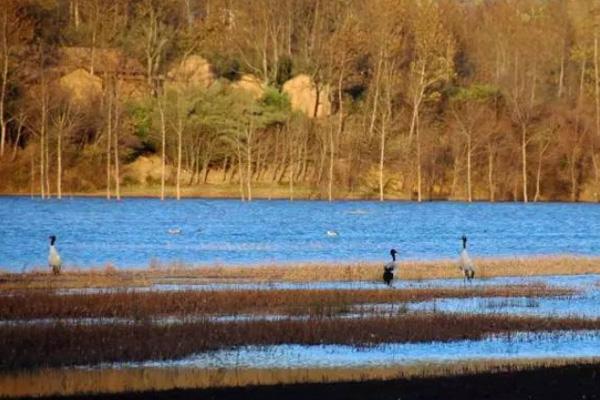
x,y
388,99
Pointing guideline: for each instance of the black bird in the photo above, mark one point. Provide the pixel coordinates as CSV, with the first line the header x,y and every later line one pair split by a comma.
x,y
388,269
465,263
54,261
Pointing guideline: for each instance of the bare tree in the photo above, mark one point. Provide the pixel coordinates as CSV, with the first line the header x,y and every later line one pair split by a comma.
x,y
432,63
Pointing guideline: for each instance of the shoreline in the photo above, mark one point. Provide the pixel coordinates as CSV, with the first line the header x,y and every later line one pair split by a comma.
x,y
480,377
279,196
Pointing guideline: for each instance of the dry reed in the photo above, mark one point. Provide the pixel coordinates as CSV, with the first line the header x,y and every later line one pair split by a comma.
x,y
63,381
109,276
34,347
144,305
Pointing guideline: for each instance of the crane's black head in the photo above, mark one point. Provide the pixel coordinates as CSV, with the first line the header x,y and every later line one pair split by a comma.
x,y
52,239
464,239
393,253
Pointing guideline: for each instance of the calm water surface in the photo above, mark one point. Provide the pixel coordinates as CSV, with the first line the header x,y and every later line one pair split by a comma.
x,y
130,233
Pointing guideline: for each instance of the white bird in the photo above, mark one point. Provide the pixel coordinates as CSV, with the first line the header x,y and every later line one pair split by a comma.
x,y
465,264
332,233
174,231
54,261
388,269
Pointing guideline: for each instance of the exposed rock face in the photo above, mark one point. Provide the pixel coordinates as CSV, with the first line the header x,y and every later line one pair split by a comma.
x,y
193,70
306,97
250,84
102,60
106,63
81,86
147,170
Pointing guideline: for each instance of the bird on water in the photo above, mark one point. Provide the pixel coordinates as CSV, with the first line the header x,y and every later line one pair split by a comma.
x,y
54,261
465,264
388,269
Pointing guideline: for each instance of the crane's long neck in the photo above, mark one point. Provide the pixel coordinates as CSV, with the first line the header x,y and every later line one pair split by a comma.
x,y
52,240
393,256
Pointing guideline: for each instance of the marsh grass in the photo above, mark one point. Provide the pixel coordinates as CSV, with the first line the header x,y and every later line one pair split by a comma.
x,y
33,357
56,345
71,381
146,305
177,272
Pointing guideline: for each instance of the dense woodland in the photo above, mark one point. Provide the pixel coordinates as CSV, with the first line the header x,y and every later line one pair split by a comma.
x,y
430,99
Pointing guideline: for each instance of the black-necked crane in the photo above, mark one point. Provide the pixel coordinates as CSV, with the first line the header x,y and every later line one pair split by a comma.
x,y
389,268
54,261
465,263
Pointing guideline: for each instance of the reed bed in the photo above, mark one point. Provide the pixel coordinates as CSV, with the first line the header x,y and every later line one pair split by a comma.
x,y
409,269
56,345
61,381
111,276
145,305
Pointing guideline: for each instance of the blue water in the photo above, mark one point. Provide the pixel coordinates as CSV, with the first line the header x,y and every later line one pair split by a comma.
x,y
131,233
517,345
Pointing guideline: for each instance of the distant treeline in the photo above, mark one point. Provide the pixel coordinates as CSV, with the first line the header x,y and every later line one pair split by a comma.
x,y
429,99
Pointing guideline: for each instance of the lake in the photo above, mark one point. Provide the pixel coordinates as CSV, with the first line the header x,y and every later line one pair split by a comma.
x,y
94,232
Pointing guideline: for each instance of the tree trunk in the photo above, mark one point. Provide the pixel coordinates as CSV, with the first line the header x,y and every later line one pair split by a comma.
x,y
561,76
205,169
539,173
179,149
239,151
109,134
59,160
313,31
382,156
375,97
94,34
533,85
596,83
331,158
340,129
47,164
16,144
249,159
419,179
524,160
491,174
43,127
76,13
597,101
454,178
573,176
596,174
225,167
292,172
4,79
163,157
42,134
32,176
116,148
469,153
417,103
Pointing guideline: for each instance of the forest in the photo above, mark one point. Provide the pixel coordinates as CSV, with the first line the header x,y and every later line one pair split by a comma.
x,y
472,100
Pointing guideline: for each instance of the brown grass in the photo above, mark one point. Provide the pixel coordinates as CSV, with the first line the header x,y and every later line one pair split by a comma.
x,y
109,276
145,305
34,347
48,382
